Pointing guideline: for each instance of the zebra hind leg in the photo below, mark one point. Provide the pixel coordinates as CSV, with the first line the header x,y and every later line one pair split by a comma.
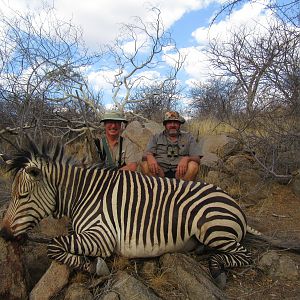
x,y
233,255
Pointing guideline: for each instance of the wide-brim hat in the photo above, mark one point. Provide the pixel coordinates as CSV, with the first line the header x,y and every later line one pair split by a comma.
x,y
173,116
114,116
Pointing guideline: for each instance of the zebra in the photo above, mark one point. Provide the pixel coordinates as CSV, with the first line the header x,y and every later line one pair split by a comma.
x,y
121,212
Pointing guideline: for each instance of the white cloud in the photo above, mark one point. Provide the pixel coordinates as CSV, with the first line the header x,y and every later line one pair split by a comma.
x,y
101,19
250,15
101,80
197,66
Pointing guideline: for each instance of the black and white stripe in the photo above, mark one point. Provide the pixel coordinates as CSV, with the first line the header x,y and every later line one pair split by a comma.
x,y
122,212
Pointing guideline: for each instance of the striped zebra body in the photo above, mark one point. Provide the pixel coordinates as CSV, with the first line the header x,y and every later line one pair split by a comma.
x,y
122,212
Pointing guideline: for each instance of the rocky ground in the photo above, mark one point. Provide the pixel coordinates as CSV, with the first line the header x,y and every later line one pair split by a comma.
x,y
271,208
274,274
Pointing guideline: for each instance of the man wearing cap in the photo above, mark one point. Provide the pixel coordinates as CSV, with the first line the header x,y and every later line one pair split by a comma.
x,y
172,153
115,151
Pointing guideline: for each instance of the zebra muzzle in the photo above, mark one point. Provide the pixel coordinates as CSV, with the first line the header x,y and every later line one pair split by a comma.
x,y
8,236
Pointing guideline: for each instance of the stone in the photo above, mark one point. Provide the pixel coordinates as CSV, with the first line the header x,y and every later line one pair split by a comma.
x,y
78,291
149,268
220,179
279,266
129,287
137,134
287,268
296,184
213,143
193,280
239,162
13,274
54,227
210,160
51,283
111,296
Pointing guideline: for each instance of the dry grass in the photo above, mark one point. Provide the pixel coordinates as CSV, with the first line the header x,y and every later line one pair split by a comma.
x,y
163,285
121,263
208,126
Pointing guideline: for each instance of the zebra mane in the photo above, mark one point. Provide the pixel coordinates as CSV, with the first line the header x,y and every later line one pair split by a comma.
x,y
46,151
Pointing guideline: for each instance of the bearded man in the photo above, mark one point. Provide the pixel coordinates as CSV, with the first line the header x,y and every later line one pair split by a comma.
x,y
172,153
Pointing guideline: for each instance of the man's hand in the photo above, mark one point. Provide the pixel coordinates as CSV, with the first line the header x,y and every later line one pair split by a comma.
x,y
153,165
182,167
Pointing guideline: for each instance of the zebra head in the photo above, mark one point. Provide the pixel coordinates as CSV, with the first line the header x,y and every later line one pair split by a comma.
x,y
32,197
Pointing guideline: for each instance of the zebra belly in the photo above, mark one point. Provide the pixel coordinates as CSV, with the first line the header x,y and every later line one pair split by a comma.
x,y
131,250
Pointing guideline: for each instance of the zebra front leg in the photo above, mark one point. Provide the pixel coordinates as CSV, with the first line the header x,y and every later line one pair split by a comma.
x,y
78,250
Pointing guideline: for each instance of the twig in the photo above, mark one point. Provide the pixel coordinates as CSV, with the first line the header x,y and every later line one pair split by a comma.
x,y
39,240
280,216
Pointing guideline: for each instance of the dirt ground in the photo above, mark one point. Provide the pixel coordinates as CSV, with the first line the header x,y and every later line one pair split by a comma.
x,y
279,216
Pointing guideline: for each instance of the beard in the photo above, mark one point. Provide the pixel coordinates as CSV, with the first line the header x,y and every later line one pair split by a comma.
x,y
173,132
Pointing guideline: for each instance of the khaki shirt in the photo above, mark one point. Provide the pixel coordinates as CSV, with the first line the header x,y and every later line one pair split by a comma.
x,y
168,153
128,154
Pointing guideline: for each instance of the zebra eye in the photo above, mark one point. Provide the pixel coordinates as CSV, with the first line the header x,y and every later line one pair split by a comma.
x,y
23,195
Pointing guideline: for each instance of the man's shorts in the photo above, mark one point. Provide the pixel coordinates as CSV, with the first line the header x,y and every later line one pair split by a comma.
x,y
170,174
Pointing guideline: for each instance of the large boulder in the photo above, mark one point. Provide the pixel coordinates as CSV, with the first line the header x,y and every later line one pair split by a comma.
x,y
51,283
219,144
192,279
278,266
141,134
128,287
13,274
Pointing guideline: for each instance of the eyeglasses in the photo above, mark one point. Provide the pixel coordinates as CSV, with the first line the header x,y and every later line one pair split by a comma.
x,y
172,150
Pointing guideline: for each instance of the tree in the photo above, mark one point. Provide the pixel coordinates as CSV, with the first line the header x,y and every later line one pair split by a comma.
x,y
287,11
140,48
42,84
218,98
266,70
157,99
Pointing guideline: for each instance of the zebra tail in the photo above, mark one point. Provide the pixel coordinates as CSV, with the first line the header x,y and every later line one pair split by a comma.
x,y
275,242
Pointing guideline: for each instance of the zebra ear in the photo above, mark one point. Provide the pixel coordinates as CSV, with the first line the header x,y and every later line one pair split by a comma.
x,y
5,159
34,172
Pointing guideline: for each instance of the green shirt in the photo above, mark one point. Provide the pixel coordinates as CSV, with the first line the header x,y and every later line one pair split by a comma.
x,y
168,153
128,153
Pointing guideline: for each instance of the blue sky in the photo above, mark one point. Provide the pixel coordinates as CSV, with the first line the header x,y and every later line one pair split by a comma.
x,y
187,20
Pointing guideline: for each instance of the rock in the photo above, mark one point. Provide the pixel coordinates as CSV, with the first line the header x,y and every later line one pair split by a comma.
x,y
128,287
150,268
154,127
101,267
296,184
194,282
13,274
232,147
111,296
37,262
287,268
210,160
268,260
51,283
252,185
220,179
78,291
213,143
54,227
288,161
138,134
278,266
239,162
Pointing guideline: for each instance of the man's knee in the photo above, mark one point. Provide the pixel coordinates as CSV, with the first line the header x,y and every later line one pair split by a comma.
x,y
144,167
192,171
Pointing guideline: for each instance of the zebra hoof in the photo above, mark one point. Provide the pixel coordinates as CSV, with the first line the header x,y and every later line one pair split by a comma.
x,y
101,267
220,280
